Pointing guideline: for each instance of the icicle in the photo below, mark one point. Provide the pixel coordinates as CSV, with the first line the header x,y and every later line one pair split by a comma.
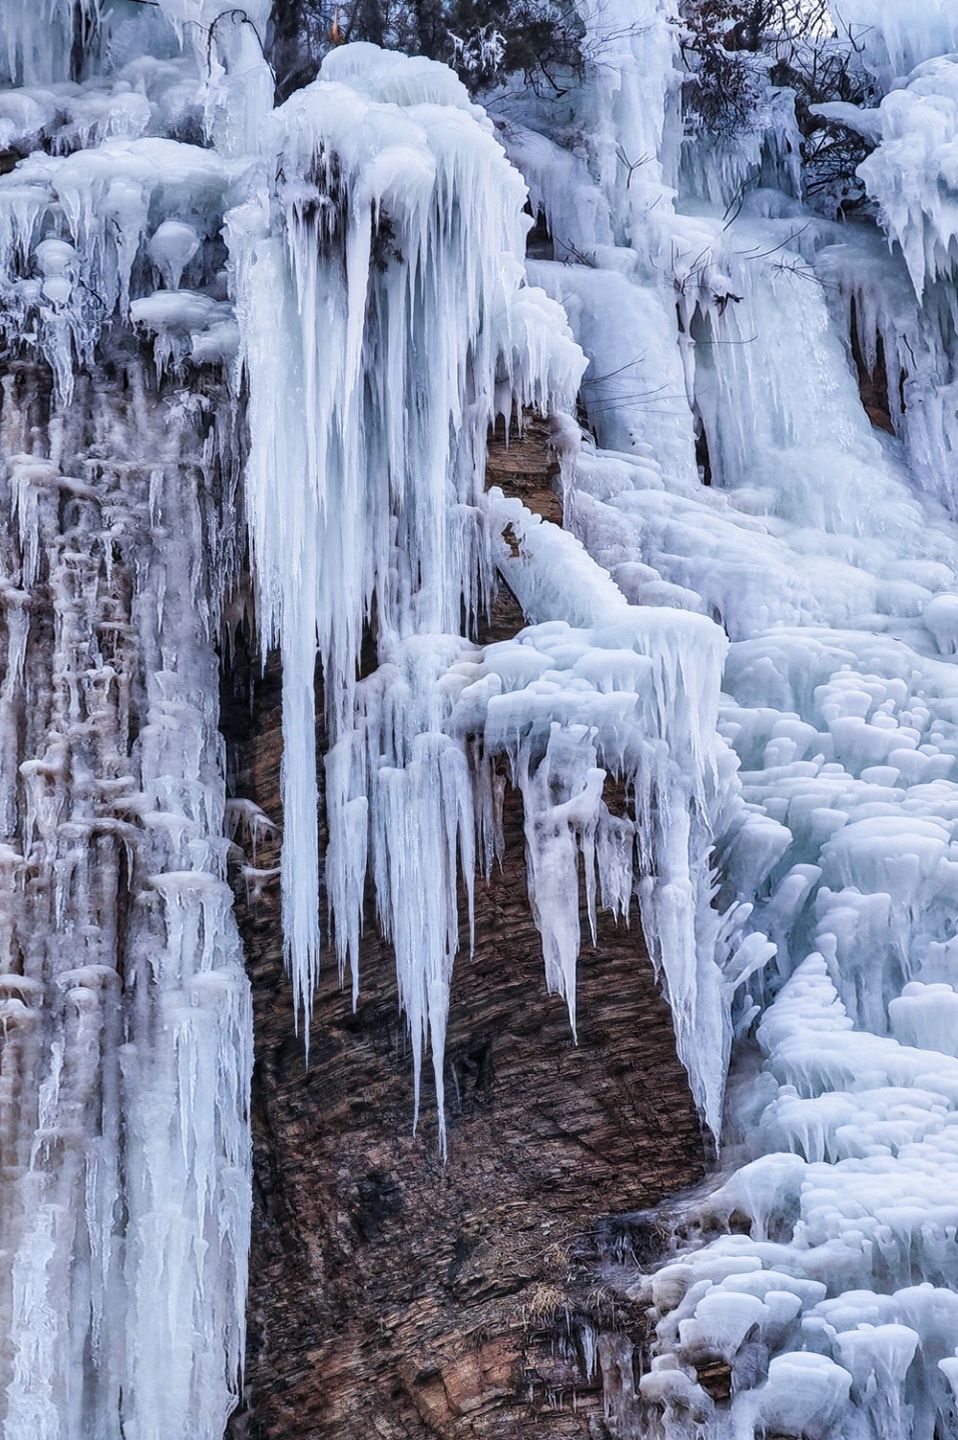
x,y
389,243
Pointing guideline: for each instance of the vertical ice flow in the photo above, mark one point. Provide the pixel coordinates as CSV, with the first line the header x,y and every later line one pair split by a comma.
x,y
731,711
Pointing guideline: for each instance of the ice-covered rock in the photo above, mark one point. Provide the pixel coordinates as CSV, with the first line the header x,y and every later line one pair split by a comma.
x,y
748,632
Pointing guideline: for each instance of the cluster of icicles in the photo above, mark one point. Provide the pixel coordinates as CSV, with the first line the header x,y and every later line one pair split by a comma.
x,y
765,666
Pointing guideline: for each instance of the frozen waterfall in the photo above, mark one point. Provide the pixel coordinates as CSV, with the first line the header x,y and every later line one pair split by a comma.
x,y
245,335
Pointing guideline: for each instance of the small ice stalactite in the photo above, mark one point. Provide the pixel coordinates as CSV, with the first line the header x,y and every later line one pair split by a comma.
x,y
37,41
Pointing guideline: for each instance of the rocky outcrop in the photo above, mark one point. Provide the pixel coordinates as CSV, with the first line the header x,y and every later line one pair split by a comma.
x,y
397,1296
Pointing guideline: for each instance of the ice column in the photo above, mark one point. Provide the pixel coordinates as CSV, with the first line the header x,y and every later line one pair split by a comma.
x,y
125,1055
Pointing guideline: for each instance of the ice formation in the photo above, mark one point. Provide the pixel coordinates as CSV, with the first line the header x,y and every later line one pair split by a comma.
x,y
126,1025
394,232
126,1029
820,1273
895,38
305,318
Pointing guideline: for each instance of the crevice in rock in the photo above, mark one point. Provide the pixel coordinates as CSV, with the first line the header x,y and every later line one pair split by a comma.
x,y
873,380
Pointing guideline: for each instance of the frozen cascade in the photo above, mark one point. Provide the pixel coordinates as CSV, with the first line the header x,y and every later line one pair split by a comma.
x,y
126,1052
391,230
378,508
733,708
126,1013
391,240
896,38
820,1272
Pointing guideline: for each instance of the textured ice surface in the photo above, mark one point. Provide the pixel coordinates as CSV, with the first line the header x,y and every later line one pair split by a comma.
x,y
126,1026
897,35
822,1273
913,172
732,715
126,1052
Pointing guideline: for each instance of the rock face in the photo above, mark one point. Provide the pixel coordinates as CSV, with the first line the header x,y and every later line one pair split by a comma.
x,y
391,1294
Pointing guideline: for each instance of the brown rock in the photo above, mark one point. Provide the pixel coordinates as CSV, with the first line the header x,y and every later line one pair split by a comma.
x,y
715,1378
